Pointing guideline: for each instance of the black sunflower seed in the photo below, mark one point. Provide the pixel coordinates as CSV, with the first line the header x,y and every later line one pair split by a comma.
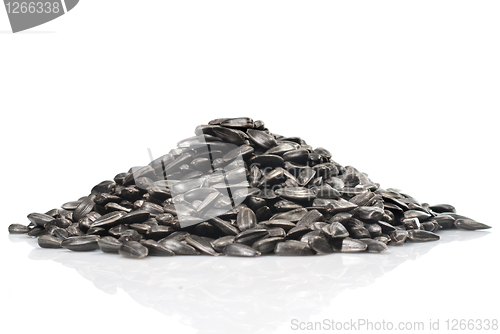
x,y
398,236
311,217
298,156
286,205
292,248
109,244
348,245
81,243
374,229
129,235
441,208
246,219
74,230
232,136
326,191
134,217
104,187
267,160
37,231
422,236
279,223
421,215
160,232
292,215
222,242
18,229
335,230
224,226
369,213
265,246
297,232
282,147
203,244
320,245
445,221
70,205
179,247
374,246
133,249
156,249
262,138
49,241
250,236
240,250
296,193
108,220
40,219
240,122
85,207
470,225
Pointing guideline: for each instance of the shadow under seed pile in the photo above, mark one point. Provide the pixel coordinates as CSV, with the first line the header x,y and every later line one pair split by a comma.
x,y
239,190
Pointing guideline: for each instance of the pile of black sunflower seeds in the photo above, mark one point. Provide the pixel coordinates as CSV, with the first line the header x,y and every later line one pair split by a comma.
x,y
239,190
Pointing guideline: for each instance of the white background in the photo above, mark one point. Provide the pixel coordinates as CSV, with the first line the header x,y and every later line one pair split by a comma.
x,y
405,91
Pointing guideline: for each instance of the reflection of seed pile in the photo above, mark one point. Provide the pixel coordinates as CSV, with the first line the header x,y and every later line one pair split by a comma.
x,y
293,201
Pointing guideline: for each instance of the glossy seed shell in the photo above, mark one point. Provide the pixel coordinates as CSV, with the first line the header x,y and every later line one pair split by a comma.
x,y
470,225
18,229
133,249
81,243
292,248
240,250
49,241
109,244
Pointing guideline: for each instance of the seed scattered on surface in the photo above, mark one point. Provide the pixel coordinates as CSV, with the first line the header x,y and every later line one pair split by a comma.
x,y
108,220
40,219
240,190
292,248
18,229
267,245
320,245
440,208
204,245
81,243
349,245
374,246
84,207
37,231
240,250
156,249
422,236
179,247
49,241
250,236
398,237
222,242
109,244
246,219
470,225
129,235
